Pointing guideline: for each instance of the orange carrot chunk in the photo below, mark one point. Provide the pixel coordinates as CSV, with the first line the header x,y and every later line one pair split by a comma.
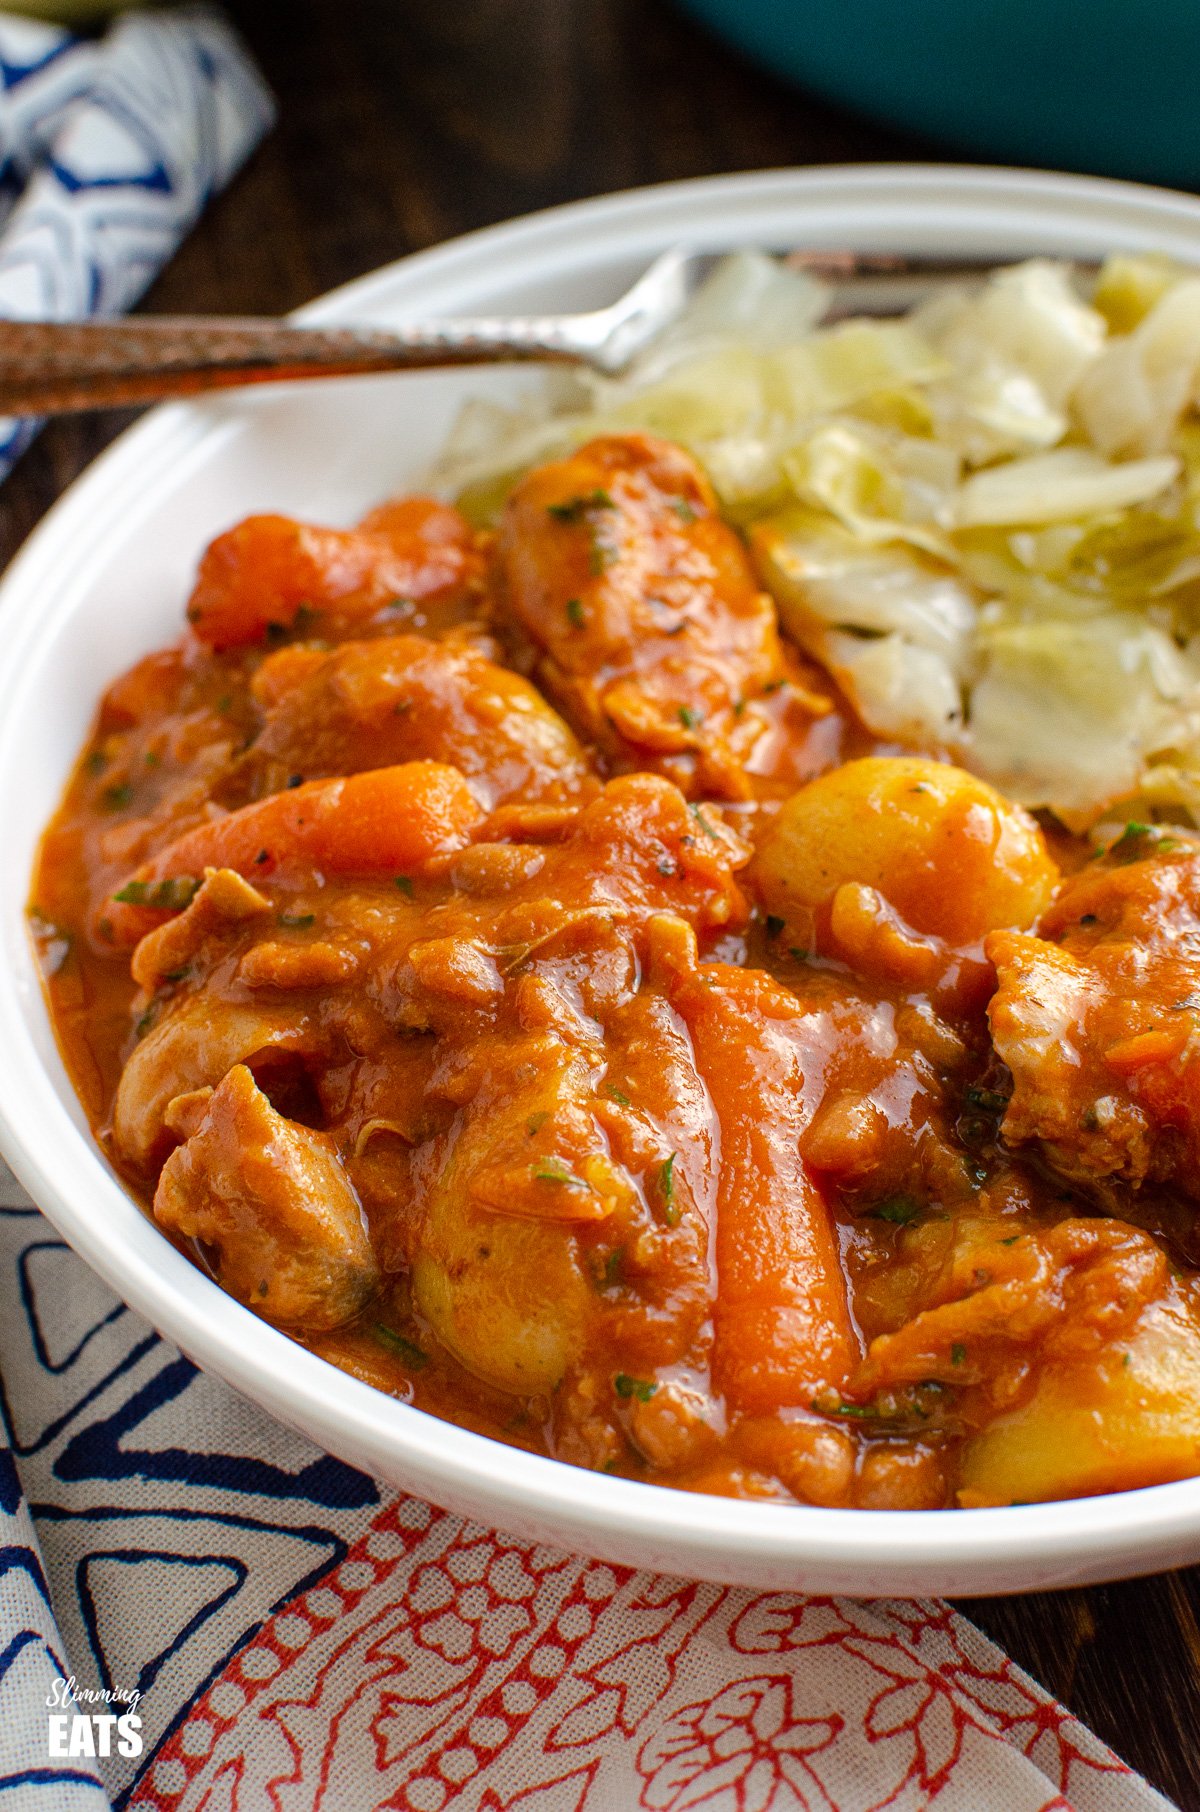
x,y
257,578
386,821
782,1322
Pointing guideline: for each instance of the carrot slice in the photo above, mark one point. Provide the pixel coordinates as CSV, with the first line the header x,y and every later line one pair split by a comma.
x,y
782,1320
386,821
259,576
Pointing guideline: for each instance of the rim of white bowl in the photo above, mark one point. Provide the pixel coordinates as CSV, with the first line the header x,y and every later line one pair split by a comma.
x,y
926,207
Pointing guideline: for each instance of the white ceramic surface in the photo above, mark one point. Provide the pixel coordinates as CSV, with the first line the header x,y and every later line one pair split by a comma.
x,y
104,579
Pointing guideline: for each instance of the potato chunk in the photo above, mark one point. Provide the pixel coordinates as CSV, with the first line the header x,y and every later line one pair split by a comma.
x,y
1129,1416
498,1274
952,857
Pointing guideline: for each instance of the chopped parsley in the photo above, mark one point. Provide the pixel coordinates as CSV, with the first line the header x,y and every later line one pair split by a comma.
x,y
774,925
171,895
666,1189
688,718
900,1210
116,798
575,613
405,885
408,1350
610,1277
553,1170
702,821
987,1100
683,509
577,507
97,761
599,555
1130,846
617,1095
641,1388
297,921
958,1353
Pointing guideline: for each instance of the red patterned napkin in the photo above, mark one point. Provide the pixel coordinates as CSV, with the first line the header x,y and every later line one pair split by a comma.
x,y
446,1665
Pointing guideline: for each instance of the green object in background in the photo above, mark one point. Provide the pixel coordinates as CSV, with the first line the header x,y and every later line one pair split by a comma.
x,y
1111,86
68,12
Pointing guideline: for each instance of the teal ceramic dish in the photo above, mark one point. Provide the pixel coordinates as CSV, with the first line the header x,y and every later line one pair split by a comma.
x,y
1103,85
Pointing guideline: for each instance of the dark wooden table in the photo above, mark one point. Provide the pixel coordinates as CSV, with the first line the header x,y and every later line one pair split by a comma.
x,y
406,121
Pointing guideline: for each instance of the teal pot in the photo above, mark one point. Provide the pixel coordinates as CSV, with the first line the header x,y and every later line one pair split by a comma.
x,y
1103,85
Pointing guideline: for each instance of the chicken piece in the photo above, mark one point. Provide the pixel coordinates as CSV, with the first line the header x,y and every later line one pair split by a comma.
x,y
651,632
405,698
655,1113
635,852
271,1202
222,900
271,574
1098,1018
1000,1307
192,1047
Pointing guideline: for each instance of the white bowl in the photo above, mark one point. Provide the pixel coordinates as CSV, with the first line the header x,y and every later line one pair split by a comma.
x,y
104,579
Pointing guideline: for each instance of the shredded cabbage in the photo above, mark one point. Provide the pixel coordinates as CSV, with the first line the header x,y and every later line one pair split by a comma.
x,y
984,519
1060,486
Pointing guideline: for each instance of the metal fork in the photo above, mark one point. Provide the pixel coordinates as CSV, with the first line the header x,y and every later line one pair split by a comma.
x,y
51,367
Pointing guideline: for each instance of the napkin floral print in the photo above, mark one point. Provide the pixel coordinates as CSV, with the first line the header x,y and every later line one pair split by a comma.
x,y
299,1637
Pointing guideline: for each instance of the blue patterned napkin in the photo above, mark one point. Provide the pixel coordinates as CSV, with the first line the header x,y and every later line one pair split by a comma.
x,y
109,153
